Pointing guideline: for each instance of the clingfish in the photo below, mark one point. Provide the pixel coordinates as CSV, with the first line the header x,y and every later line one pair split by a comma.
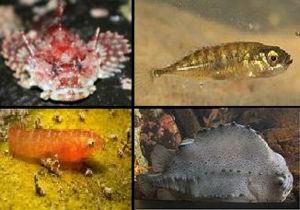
x,y
237,60
70,145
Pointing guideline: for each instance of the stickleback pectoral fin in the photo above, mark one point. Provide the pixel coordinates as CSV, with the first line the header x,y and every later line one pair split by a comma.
x,y
191,67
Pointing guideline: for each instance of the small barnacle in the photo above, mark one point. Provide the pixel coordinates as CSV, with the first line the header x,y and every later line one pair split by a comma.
x,y
113,137
6,152
88,172
238,171
81,116
128,133
52,164
112,112
108,192
120,153
38,123
248,127
57,118
233,123
38,190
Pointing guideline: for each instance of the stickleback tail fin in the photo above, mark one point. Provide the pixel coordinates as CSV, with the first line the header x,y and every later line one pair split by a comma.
x,y
144,80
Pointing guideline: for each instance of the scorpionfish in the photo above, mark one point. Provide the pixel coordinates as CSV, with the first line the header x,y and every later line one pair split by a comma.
x,y
60,63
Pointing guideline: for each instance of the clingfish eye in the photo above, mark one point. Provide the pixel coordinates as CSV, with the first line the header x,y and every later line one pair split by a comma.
x,y
91,142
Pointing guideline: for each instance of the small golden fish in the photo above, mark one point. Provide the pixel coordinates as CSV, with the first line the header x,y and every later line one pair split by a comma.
x,y
237,60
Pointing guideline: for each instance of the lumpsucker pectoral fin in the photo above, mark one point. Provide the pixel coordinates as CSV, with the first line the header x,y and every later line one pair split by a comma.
x,y
160,157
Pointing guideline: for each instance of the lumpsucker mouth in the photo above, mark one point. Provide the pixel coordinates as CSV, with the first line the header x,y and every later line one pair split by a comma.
x,y
288,60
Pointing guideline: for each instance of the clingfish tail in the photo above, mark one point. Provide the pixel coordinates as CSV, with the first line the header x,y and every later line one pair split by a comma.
x,y
71,145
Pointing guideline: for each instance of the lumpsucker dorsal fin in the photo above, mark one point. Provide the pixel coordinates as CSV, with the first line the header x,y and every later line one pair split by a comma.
x,y
160,158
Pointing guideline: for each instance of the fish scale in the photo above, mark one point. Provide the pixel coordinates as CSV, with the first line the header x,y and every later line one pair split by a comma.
x,y
231,161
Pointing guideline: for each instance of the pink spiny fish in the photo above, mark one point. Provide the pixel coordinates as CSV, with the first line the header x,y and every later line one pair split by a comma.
x,y
60,63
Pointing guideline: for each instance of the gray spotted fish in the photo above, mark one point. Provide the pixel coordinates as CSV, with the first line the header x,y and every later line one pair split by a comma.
x,y
230,163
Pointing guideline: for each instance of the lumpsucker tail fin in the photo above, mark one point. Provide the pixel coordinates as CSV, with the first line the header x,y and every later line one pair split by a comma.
x,y
145,186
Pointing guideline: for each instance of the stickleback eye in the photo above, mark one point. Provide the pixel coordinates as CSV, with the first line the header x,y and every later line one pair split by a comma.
x,y
272,57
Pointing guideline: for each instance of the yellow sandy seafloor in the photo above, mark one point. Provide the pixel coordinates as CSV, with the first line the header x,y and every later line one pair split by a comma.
x,y
72,190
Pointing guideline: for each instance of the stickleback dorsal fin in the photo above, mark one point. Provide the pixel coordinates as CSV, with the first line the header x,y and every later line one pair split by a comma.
x,y
160,158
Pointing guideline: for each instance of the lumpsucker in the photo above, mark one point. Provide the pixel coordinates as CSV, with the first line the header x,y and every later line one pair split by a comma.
x,y
229,163
230,61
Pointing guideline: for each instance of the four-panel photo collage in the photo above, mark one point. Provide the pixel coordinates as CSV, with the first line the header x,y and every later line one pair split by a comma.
x,y
149,104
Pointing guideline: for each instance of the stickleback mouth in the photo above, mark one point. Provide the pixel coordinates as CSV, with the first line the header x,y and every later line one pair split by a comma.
x,y
288,60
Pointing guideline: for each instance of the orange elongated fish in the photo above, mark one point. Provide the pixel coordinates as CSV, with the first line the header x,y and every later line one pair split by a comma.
x,y
70,145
